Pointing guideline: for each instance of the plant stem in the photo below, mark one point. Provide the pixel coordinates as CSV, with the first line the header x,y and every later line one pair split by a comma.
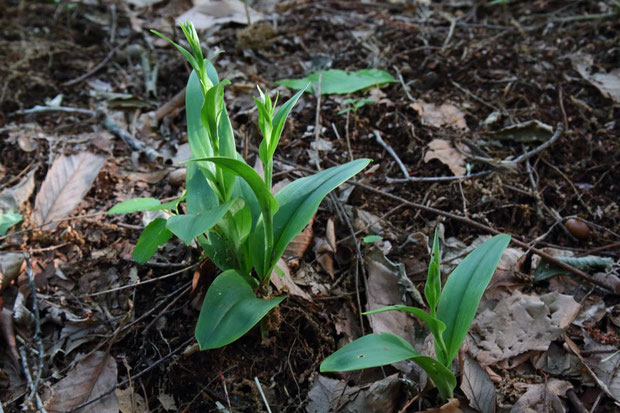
x,y
269,174
268,220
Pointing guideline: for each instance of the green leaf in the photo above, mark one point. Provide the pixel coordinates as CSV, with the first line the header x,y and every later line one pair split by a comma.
x,y
189,226
340,82
196,133
267,202
236,226
547,269
154,235
376,350
432,289
134,205
435,325
462,293
229,310
200,195
300,199
369,239
190,58
7,220
279,120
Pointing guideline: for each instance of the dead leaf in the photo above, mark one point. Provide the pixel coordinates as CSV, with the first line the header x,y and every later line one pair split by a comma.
x,y
477,386
90,378
152,177
505,277
65,184
167,402
11,199
604,359
530,131
8,332
329,395
607,83
443,151
519,324
451,407
130,402
10,267
383,290
298,246
438,116
543,397
206,13
283,281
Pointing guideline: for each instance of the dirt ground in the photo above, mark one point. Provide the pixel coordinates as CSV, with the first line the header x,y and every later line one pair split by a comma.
x,y
504,116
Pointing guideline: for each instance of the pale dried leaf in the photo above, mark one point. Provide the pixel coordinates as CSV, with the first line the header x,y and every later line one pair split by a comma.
x,y
90,378
10,267
519,324
167,402
11,199
130,402
329,395
451,407
438,116
443,151
298,246
543,398
283,281
604,359
206,14
477,386
8,332
607,83
66,183
505,277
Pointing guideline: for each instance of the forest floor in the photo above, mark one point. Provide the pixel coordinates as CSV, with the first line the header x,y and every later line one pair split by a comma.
x,y
91,114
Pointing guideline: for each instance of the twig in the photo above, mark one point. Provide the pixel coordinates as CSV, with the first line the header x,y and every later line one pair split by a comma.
x,y
389,150
98,66
262,394
124,287
37,327
437,178
348,141
450,33
163,311
598,16
402,82
470,94
25,405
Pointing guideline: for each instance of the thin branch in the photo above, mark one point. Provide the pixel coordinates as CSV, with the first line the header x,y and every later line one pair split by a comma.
x,y
98,66
389,150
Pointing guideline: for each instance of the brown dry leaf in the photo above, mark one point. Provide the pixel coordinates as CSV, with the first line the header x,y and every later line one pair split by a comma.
x,y
604,360
283,281
505,277
438,116
607,83
11,264
298,246
519,324
11,199
443,151
130,402
543,397
451,407
477,386
90,378
152,177
329,395
8,332
65,184
383,290
206,14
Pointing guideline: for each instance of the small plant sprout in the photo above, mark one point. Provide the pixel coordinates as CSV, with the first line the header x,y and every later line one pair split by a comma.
x,y
354,105
229,208
451,312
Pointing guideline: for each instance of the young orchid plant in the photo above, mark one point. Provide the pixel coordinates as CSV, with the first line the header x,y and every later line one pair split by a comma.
x,y
229,209
451,312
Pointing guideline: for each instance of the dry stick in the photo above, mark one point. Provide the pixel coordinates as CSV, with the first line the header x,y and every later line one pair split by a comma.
x,y
262,394
24,356
402,82
436,178
163,311
37,327
614,289
126,381
100,65
348,140
389,150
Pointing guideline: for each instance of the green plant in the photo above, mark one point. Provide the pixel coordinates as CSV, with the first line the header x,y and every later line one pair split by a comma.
x,y
354,105
229,208
451,313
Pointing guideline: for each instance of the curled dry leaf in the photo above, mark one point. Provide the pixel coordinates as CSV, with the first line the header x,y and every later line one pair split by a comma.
x,y
443,151
206,14
543,397
519,324
65,184
282,280
607,83
451,407
11,199
11,264
477,386
90,378
438,116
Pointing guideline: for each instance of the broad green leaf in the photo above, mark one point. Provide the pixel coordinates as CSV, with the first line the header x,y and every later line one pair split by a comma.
x,y
376,350
200,195
220,250
189,226
279,121
196,133
237,224
134,205
212,110
242,190
547,269
432,289
435,325
300,199
154,235
369,239
267,202
462,293
340,82
229,310
7,220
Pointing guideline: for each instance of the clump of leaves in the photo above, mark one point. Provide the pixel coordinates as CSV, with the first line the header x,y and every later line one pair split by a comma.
x,y
451,312
229,208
